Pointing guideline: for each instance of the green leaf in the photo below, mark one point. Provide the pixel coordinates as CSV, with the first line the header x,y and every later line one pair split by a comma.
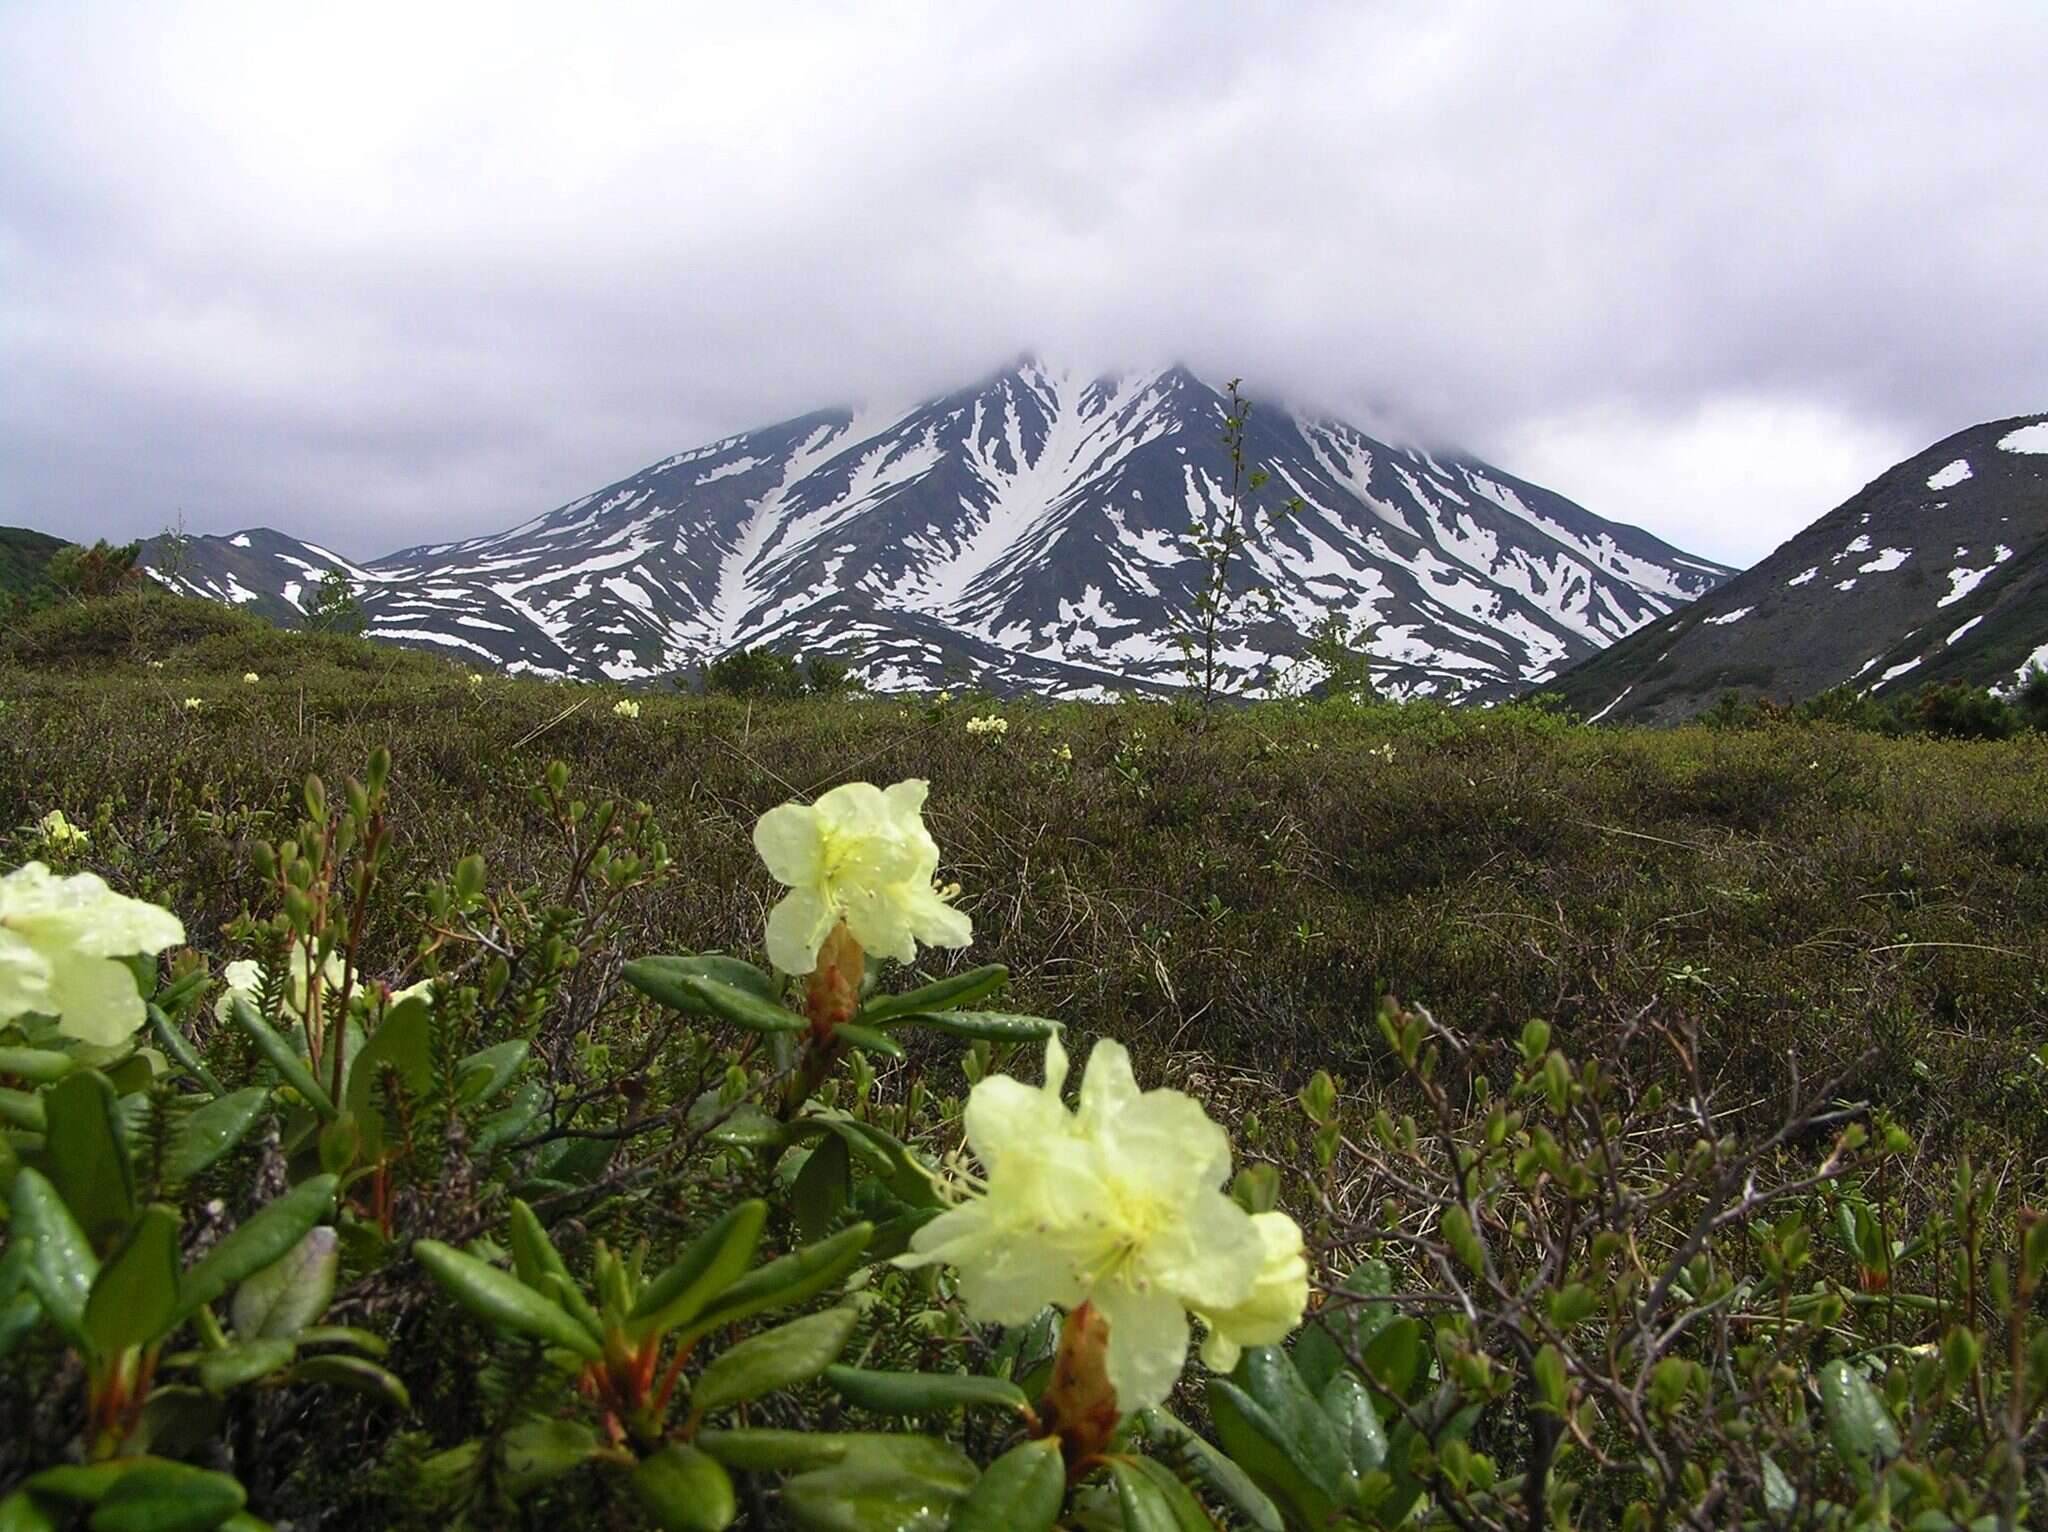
x,y
762,1449
204,1135
736,972
714,1261
489,1070
61,1265
885,1484
1153,1500
281,1055
856,1036
1348,1404
1319,1351
923,1393
511,1120
174,1422
261,1239
292,1291
162,1496
352,1373
20,1109
537,1452
823,1188
695,994
86,1155
134,1299
1396,1356
684,1490
1306,1490
180,1050
38,1066
501,1299
24,1512
990,1026
222,1371
940,995
1021,1491
789,1354
1225,1479
366,1341
1859,1426
402,1042
785,1281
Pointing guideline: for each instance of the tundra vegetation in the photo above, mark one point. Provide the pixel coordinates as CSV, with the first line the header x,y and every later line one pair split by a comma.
x,y
433,1099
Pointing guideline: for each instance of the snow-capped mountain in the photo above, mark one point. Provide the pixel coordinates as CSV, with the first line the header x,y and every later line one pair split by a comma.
x,y
1937,570
1027,533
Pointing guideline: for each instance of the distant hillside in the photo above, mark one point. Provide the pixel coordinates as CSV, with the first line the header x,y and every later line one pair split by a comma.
x,y
23,555
1936,571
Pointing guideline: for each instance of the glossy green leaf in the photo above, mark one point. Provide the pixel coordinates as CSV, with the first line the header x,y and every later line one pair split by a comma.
x,y
134,1299
789,1354
948,994
886,1484
61,1265
292,1292
489,1070
365,1341
511,1121
262,1238
85,1154
823,1188
1348,1404
1021,1491
181,1052
537,1452
501,1299
787,1280
696,994
685,1490
222,1371
923,1393
537,1263
402,1043
1396,1356
1223,1477
26,1512
281,1056
203,1135
1859,1425
38,1066
762,1449
871,1039
736,972
22,1109
711,1265
354,1374
1153,1500
1320,1348
1305,1490
990,1026
162,1496
174,1422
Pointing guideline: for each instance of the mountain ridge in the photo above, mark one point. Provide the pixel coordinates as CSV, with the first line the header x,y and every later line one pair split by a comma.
x,y
1022,533
1936,570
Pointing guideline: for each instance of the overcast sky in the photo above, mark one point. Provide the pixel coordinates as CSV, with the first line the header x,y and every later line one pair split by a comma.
x,y
377,275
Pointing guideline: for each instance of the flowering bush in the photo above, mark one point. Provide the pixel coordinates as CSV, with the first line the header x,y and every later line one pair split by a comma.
x,y
626,707
990,725
386,1188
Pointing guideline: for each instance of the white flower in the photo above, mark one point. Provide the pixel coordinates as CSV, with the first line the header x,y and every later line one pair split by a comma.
x,y
60,833
194,704
245,978
250,678
1120,1204
625,707
863,856
60,939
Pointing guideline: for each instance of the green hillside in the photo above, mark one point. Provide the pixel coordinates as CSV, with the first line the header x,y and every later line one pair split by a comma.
x,y
23,555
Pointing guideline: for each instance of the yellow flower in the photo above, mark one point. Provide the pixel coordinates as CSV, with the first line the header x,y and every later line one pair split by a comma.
x,y
1277,1299
625,707
60,941
194,704
1119,1203
246,978
863,856
60,833
250,678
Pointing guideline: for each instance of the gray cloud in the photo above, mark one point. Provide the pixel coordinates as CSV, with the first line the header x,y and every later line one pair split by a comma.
x,y
379,274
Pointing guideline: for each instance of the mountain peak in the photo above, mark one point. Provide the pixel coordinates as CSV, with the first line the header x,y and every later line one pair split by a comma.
x,y
1025,532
